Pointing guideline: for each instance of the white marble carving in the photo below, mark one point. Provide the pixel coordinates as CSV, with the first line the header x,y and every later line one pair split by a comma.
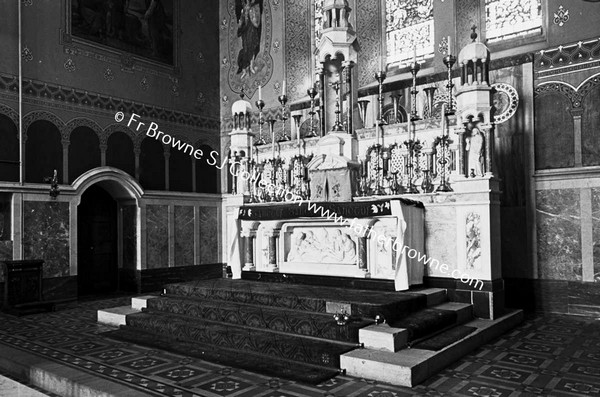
x,y
383,257
321,245
473,230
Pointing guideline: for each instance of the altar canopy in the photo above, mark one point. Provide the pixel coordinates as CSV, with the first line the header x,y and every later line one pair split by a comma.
x,y
365,239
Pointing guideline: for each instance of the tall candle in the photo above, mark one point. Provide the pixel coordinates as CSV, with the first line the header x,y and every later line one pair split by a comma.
x,y
449,45
414,55
259,93
444,128
283,88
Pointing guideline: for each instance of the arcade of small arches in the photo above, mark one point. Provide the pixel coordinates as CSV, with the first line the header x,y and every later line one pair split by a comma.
x,y
80,145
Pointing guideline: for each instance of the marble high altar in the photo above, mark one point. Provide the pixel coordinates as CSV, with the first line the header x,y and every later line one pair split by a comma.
x,y
439,157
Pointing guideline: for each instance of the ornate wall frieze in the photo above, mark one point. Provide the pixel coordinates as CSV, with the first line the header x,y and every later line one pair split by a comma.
x,y
567,58
574,94
86,99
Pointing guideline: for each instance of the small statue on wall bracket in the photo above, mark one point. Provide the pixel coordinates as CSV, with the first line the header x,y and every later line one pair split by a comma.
x,y
475,145
53,180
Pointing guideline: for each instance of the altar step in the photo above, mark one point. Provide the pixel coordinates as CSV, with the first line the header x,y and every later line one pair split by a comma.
x,y
288,330
410,366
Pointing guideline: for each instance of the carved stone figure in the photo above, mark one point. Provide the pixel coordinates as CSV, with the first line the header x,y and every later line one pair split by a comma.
x,y
475,145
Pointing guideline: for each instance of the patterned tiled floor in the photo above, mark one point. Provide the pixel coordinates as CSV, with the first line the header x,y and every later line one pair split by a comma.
x,y
545,356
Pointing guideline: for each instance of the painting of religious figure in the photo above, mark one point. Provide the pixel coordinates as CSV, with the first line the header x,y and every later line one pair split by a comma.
x,y
249,19
249,42
140,27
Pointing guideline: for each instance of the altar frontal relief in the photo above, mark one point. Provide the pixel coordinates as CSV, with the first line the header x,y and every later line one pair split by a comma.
x,y
323,248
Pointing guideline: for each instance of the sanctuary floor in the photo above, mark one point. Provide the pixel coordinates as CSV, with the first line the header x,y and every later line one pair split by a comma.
x,y
547,355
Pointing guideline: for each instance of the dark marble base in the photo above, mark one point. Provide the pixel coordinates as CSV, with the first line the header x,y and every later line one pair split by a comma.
x,y
55,289
553,296
340,282
488,302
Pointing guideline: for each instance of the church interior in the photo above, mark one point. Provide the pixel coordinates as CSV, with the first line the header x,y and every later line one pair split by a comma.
x,y
374,198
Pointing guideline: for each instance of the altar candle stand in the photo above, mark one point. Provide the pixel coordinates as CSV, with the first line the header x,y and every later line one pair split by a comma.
x,y
312,93
412,144
380,77
444,142
449,61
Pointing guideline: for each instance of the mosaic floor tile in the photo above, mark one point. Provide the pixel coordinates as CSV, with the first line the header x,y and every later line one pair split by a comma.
x,y
225,386
544,356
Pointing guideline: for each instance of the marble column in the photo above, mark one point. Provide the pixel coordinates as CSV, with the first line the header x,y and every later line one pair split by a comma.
x,y
272,233
321,73
576,114
488,133
460,161
65,164
193,174
137,151
349,96
362,254
248,233
103,148
167,155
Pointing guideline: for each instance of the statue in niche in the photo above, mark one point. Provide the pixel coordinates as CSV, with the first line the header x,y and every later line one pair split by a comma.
x,y
249,16
475,146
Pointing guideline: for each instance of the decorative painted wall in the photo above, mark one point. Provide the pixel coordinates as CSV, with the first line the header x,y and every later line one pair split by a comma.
x,y
169,72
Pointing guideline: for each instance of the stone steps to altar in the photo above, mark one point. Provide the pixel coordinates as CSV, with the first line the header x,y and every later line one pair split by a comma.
x,y
318,325
309,298
390,355
252,361
242,338
291,327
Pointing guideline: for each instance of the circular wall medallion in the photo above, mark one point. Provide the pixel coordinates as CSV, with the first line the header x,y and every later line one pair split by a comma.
x,y
505,100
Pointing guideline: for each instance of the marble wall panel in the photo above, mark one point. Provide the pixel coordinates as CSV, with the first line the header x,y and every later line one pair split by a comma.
x,y
440,237
46,235
209,235
6,253
184,236
157,236
559,234
129,236
596,226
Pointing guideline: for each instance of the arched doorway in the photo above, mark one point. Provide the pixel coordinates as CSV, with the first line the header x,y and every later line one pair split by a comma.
x,y
98,269
108,242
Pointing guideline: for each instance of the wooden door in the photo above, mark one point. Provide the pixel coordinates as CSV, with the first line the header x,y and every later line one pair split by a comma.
x,y
97,243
